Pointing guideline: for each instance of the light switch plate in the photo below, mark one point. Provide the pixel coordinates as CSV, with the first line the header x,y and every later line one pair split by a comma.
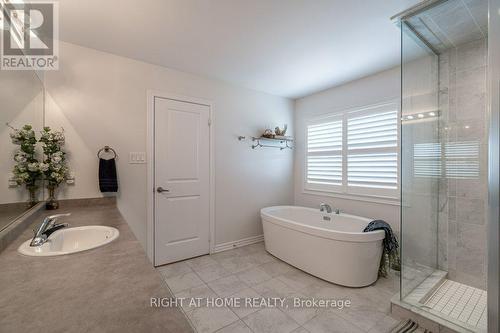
x,y
71,178
12,181
137,157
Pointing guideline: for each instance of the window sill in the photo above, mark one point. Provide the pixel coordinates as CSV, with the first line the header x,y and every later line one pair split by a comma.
x,y
356,197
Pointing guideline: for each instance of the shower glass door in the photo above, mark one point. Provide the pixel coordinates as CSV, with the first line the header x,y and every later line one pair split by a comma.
x,y
420,161
444,162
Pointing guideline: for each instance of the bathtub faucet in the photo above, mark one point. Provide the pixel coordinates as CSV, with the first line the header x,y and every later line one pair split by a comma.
x,y
325,207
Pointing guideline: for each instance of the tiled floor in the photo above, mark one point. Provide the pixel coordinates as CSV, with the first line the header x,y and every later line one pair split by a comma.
x,y
250,272
460,302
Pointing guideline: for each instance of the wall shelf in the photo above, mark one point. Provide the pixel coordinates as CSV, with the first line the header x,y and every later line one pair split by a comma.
x,y
281,143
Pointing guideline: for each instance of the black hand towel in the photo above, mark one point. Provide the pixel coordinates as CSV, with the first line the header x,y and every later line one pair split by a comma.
x,y
390,247
108,181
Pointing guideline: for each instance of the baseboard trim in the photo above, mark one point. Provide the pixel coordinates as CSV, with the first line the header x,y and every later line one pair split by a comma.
x,y
238,243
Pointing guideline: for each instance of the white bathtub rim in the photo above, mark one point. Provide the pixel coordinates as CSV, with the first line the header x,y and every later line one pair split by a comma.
x,y
345,236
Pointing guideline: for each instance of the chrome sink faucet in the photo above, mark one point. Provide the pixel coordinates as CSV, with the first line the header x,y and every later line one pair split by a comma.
x,y
47,227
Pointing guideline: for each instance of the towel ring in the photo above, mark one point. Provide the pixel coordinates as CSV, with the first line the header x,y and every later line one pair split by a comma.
x,y
107,149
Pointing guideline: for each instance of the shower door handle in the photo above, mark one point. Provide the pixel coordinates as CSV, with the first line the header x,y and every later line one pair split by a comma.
x,y
161,190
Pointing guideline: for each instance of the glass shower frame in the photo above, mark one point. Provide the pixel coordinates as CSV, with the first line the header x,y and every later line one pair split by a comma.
x,y
419,97
433,254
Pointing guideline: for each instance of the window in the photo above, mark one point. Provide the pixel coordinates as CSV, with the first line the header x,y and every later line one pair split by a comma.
x,y
354,152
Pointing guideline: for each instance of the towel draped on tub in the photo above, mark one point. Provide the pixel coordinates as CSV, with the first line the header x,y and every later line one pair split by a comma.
x,y
390,254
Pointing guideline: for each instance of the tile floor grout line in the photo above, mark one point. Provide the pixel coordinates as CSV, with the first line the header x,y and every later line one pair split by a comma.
x,y
473,308
181,308
470,299
458,301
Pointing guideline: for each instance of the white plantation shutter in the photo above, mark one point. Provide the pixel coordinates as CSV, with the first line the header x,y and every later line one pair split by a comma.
x,y
373,170
324,154
379,130
356,154
372,143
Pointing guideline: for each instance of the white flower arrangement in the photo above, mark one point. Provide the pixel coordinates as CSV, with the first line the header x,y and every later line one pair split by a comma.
x,y
26,171
54,166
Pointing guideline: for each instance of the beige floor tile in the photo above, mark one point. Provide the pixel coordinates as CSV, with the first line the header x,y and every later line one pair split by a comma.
x,y
276,268
211,319
237,327
237,264
385,325
301,330
299,280
270,320
245,309
377,297
330,291
202,261
299,313
261,258
364,316
227,286
212,272
390,284
175,269
251,272
274,288
182,282
222,255
328,322
201,292
254,276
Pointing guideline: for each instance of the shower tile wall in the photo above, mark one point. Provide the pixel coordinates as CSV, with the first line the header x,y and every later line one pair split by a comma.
x,y
463,189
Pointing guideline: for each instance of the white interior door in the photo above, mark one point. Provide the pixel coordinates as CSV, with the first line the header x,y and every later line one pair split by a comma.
x,y
182,169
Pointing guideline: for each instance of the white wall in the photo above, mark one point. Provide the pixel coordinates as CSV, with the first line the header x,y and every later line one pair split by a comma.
x,y
378,88
100,99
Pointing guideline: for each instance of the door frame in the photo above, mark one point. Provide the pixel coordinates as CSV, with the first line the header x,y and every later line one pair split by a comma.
x,y
150,153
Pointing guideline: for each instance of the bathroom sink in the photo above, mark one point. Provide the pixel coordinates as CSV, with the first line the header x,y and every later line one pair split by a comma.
x,y
71,240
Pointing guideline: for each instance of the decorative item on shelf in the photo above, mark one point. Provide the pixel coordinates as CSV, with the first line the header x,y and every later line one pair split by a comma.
x,y
55,167
280,132
276,136
268,133
27,170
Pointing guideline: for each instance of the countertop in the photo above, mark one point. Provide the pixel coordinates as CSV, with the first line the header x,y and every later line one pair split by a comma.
x,y
107,289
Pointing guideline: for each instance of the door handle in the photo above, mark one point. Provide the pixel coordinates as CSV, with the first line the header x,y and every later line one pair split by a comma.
x,y
161,190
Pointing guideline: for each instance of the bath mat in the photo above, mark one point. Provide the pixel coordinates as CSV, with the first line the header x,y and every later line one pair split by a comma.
x,y
409,326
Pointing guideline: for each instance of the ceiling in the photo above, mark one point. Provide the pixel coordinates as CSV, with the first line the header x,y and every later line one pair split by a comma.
x,y
289,48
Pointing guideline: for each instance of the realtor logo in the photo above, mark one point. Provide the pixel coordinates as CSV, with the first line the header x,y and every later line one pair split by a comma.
x,y
30,35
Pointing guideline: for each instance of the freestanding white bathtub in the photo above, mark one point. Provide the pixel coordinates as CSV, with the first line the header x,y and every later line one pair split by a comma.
x,y
337,251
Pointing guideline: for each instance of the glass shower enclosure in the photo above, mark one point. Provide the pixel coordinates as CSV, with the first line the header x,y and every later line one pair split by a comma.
x,y
444,161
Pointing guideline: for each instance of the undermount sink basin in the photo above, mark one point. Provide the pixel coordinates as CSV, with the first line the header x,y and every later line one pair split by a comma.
x,y
71,240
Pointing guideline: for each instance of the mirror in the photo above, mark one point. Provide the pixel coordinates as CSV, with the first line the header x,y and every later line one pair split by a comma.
x,y
22,103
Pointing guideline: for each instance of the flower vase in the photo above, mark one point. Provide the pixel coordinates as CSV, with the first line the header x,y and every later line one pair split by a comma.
x,y
52,203
32,201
